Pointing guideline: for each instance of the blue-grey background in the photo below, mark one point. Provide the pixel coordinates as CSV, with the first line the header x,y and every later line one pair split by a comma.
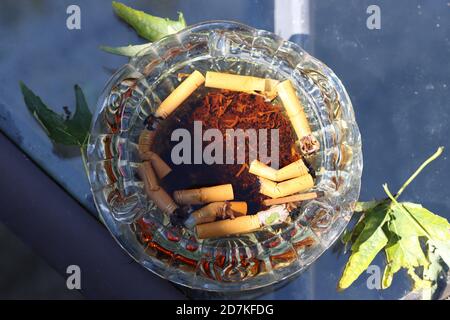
x,y
398,79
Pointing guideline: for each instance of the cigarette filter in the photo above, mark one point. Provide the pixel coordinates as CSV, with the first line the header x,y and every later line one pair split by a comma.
x,y
238,208
262,170
295,169
157,194
222,228
286,188
293,108
293,198
204,195
181,93
145,141
234,82
297,117
162,200
147,137
161,168
148,176
216,210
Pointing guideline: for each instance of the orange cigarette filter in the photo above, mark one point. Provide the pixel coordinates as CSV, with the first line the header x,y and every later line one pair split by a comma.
x,y
215,210
161,168
286,188
148,176
235,82
204,195
227,227
162,200
297,117
293,170
293,198
180,94
145,141
239,208
293,108
157,194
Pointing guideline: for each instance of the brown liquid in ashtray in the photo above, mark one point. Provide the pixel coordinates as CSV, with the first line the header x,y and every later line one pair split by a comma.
x,y
223,109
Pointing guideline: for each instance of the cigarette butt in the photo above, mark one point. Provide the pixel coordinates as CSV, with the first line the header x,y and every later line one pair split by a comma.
x,y
293,108
161,168
271,88
204,195
293,198
209,212
147,137
297,117
285,188
145,141
239,208
309,145
235,82
148,176
162,200
222,228
301,128
216,210
157,194
293,170
142,149
181,93
262,170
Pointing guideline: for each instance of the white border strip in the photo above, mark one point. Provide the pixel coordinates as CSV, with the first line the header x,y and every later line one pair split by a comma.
x,y
291,17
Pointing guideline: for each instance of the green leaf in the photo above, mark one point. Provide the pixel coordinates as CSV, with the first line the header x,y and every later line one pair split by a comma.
x,y
437,229
128,51
406,253
367,245
399,227
147,26
416,221
361,206
431,273
351,236
72,132
419,284
404,249
79,125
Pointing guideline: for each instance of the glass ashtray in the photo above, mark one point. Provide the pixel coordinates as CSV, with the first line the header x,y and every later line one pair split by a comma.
x,y
233,263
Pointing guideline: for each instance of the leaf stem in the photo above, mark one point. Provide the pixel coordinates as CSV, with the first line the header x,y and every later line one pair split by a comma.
x,y
414,175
